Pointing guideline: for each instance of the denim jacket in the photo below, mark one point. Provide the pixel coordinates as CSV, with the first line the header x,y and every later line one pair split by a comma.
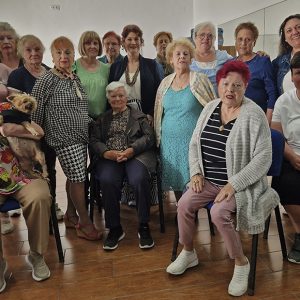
x,y
281,66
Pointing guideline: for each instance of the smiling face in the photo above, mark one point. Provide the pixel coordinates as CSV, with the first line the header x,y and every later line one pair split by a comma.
x,y
91,48
32,53
8,43
204,39
161,45
117,99
292,33
231,89
111,46
181,58
132,43
63,57
244,42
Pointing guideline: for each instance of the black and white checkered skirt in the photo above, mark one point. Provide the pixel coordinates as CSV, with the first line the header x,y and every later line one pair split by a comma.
x,y
73,161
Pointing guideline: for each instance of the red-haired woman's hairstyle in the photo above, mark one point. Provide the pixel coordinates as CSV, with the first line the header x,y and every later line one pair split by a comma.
x,y
234,66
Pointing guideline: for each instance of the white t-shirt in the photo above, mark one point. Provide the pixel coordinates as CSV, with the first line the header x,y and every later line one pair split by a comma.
x,y
287,83
287,112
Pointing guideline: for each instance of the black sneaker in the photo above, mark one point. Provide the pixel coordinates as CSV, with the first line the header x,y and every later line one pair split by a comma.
x,y
294,255
114,236
145,237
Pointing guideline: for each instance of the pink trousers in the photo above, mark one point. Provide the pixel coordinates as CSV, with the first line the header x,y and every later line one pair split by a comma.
x,y
221,214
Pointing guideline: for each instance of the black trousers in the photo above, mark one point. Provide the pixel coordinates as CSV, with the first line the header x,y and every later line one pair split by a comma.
x,y
111,176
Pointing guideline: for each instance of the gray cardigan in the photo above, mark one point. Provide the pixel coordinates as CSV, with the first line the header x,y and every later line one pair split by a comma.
x,y
248,159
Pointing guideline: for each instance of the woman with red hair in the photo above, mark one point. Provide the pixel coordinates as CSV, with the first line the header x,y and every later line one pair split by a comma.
x,y
229,156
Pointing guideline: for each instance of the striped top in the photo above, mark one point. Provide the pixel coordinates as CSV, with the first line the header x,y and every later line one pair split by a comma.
x,y
213,146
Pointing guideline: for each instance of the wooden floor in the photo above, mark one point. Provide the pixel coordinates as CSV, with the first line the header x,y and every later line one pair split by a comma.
x,y
131,273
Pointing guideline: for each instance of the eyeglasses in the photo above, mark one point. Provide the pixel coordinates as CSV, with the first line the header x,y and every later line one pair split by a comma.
x,y
235,87
203,35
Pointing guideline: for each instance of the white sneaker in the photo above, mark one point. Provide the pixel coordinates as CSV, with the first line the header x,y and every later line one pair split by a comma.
x,y
15,212
239,282
185,260
59,213
6,225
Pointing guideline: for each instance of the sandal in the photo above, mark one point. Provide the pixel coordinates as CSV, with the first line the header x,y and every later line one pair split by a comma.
x,y
92,235
70,221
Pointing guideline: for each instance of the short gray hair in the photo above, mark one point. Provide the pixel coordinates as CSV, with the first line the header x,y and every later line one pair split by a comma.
x,y
202,25
115,85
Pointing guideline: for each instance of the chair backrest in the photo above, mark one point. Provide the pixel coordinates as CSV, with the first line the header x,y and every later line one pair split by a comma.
x,y
277,152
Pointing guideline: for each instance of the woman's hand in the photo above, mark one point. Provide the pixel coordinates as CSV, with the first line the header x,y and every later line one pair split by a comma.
x,y
197,183
295,161
111,155
125,155
225,193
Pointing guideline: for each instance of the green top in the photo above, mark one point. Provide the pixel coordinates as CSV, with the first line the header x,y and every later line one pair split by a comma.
x,y
94,83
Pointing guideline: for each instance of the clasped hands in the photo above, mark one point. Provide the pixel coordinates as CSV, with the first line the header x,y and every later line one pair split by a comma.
x,y
226,192
119,156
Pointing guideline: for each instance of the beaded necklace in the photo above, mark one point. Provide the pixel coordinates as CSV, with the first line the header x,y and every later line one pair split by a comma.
x,y
127,77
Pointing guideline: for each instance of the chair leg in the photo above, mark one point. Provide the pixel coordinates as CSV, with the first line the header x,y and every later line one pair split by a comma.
x,y
176,240
280,232
267,226
160,202
211,225
251,280
56,233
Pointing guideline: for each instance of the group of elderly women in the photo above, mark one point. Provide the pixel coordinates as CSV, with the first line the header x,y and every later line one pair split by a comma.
x,y
210,116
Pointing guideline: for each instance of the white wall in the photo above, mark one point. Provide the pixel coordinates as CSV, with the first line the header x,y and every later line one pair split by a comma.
x,y
76,16
221,11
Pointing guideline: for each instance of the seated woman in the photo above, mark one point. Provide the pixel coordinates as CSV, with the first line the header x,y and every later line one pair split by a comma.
x,y
286,119
122,140
229,156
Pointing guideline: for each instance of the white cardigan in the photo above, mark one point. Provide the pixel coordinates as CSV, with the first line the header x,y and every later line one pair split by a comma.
x,y
248,159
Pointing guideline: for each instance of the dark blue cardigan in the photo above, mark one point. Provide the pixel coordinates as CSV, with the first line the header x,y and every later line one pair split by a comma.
x,y
150,80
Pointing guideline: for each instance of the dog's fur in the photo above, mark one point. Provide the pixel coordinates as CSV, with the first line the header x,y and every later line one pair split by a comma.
x,y
26,150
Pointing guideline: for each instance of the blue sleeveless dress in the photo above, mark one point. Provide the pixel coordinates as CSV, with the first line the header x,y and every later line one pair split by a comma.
x,y
181,111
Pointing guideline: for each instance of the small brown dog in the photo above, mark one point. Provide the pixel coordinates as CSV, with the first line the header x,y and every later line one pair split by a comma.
x,y
18,110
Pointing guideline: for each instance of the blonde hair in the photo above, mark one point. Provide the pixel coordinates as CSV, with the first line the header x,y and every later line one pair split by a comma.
x,y
29,38
179,42
86,37
61,41
4,26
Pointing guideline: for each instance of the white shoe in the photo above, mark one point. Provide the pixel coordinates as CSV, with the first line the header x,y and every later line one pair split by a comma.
x,y
15,212
6,225
59,213
239,282
185,260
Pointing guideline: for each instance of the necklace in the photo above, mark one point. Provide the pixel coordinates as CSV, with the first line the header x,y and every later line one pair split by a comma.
x,y
72,77
222,125
135,75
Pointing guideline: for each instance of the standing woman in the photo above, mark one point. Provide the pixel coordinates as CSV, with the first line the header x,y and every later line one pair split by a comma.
x,y
261,87
8,46
207,59
180,99
289,33
63,114
31,49
112,44
160,42
141,75
92,73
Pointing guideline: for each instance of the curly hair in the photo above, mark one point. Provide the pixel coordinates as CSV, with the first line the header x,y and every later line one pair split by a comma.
x,y
132,28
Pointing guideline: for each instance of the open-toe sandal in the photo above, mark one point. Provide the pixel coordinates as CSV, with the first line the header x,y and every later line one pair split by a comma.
x,y
88,232
70,221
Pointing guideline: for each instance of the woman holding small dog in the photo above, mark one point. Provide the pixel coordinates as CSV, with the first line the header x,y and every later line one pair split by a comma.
x,y
23,79
63,114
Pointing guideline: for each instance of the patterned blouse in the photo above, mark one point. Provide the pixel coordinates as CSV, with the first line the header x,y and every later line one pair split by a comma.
x,y
117,136
62,110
